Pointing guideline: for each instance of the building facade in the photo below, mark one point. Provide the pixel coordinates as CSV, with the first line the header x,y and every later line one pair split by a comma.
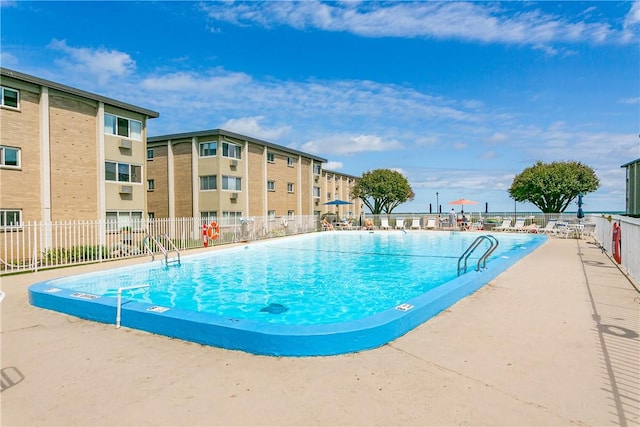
x,y
632,204
226,176
67,154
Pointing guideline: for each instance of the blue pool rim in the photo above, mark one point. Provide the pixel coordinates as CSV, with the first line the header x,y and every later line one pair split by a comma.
x,y
276,339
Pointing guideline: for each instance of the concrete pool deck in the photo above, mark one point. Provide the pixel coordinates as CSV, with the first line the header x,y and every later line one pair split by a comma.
x,y
551,341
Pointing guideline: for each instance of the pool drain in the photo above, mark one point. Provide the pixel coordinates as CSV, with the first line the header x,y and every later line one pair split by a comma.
x,y
274,308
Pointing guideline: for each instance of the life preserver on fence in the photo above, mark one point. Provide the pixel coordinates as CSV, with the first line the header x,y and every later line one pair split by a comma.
x,y
615,241
285,223
213,230
205,238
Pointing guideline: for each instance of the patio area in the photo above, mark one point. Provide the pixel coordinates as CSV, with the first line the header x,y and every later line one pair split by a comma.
x,y
552,341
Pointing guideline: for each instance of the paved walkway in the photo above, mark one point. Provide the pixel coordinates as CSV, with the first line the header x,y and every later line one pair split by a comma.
x,y
552,341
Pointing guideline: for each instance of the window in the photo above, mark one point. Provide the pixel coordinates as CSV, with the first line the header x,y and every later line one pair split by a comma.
x,y
271,158
316,192
151,216
151,185
231,150
208,149
10,218
149,153
122,172
9,157
121,126
271,185
208,182
117,220
209,216
232,183
9,97
317,168
290,162
271,214
291,214
328,195
231,217
290,187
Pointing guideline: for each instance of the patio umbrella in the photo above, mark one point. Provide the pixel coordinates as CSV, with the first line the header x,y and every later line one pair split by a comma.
x,y
580,214
338,202
463,202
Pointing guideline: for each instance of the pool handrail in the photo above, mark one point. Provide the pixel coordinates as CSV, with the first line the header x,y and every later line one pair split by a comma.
x,y
119,304
493,244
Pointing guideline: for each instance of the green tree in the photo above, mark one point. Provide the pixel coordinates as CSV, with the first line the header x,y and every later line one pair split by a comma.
x,y
382,190
552,186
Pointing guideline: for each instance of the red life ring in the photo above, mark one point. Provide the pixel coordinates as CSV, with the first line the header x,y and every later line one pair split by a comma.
x,y
617,236
213,231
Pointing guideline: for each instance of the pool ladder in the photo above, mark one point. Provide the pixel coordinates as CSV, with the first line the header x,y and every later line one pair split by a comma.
x,y
165,251
493,244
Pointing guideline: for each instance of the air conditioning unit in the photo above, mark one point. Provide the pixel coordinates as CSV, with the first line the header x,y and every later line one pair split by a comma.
x,y
316,178
126,189
234,196
125,143
234,163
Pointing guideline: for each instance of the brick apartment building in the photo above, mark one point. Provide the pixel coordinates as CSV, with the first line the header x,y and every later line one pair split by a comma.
x,y
67,154
227,176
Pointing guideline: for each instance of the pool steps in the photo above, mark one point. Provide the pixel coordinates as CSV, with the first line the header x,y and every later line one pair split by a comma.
x,y
493,244
149,239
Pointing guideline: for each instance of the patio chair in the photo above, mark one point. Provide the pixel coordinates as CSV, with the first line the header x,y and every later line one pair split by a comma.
x,y
431,224
415,223
549,227
384,223
562,230
506,224
518,226
399,223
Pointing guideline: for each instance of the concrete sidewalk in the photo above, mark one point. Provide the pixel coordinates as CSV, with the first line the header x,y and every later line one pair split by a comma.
x,y
552,341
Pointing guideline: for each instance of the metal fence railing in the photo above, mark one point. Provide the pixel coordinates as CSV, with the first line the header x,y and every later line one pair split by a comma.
x,y
39,245
629,240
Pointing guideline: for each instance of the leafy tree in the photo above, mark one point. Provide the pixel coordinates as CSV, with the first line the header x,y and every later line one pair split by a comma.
x,y
552,186
382,190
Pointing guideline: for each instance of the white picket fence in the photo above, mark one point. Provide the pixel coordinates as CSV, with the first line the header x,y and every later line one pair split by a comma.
x,y
629,241
39,245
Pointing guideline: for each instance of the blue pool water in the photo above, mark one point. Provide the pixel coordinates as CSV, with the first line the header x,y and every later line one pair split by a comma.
x,y
292,289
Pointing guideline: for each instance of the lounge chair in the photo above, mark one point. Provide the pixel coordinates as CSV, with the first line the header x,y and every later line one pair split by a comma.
x,y
399,223
562,230
549,227
518,226
384,223
415,223
431,224
506,224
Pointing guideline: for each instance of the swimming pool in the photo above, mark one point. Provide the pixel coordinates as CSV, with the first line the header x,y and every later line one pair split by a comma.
x,y
316,294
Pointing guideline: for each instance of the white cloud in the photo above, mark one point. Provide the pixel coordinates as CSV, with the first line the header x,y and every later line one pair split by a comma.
x,y
7,59
630,101
101,63
451,20
350,144
250,126
333,165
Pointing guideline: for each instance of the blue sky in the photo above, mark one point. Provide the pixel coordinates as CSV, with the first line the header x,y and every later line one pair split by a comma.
x,y
458,96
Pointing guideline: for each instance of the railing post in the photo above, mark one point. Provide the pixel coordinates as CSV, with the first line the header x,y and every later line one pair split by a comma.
x,y
119,306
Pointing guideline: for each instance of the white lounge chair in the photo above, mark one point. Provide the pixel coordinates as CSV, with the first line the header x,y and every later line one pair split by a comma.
x,y
506,224
384,223
549,227
518,226
431,224
399,223
415,223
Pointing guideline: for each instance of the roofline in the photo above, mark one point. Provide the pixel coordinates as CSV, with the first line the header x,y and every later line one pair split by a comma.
x,y
631,162
222,132
68,89
340,173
